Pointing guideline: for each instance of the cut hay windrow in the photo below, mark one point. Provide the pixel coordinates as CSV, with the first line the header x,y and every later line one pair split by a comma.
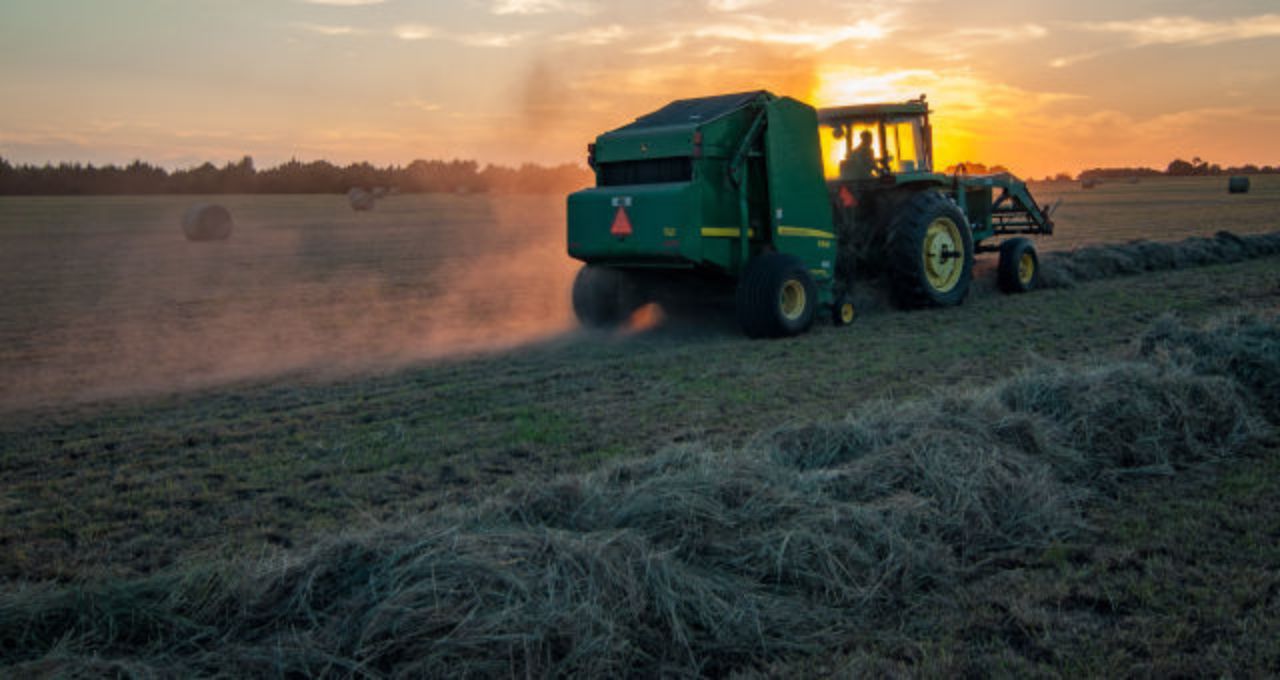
x,y
691,562
1090,263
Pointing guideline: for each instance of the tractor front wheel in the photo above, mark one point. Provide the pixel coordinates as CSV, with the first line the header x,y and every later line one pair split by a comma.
x,y
1019,269
930,252
604,297
776,297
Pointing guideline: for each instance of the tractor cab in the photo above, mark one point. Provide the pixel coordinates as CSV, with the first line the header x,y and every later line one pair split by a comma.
x,y
899,135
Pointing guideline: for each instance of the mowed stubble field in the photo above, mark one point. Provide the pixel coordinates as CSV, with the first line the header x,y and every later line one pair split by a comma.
x,y
167,401
104,298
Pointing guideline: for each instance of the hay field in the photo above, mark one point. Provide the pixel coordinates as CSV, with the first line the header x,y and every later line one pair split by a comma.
x,y
1160,209
1092,492
105,298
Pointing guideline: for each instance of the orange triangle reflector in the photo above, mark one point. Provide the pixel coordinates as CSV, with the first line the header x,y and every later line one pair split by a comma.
x,y
847,199
621,223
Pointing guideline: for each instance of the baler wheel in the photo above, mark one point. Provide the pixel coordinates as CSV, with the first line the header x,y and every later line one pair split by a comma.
x,y
604,297
1019,269
930,252
776,297
842,311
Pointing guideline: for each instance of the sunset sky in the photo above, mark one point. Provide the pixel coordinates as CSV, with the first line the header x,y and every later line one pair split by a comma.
x,y
1039,86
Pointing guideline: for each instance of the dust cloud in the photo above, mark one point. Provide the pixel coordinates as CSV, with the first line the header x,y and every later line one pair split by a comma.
x,y
106,299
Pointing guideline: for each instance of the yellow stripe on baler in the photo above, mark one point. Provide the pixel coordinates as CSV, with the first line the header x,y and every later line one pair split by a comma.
x,y
804,231
725,232
732,232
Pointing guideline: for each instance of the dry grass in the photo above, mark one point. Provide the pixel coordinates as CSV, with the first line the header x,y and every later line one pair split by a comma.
x,y
1065,269
692,562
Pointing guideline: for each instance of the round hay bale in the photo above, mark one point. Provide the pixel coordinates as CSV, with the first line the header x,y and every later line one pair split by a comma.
x,y
1238,185
207,222
1088,183
360,199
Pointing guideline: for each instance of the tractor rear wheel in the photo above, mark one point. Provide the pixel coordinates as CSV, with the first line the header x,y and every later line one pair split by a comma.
x,y
930,252
776,297
1019,269
604,297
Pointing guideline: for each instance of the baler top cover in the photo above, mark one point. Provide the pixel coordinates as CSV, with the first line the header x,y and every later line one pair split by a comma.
x,y
685,129
695,112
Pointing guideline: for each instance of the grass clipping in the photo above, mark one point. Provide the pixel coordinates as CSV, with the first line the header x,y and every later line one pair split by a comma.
x,y
692,562
1063,270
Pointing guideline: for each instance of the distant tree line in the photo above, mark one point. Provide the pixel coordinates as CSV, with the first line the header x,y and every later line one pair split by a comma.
x,y
974,168
293,177
1177,168
1180,168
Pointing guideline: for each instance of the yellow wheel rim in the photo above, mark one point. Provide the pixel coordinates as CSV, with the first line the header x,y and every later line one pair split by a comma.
x,y
1026,268
846,313
792,300
943,254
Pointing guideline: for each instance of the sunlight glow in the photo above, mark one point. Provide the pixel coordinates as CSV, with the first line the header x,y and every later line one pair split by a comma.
x,y
955,101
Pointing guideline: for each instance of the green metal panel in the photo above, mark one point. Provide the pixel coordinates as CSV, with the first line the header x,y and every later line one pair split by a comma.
x,y
978,210
720,138
675,224
664,219
641,143
800,218
671,131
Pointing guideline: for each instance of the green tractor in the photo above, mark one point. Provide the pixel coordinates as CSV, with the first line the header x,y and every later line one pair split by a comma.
x,y
782,207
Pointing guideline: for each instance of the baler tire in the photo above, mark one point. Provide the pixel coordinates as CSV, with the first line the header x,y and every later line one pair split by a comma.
x,y
918,278
1019,269
842,311
604,297
776,297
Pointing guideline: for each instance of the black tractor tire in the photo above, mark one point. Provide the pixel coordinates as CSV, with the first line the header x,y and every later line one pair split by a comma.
x,y
1019,269
929,251
604,297
776,297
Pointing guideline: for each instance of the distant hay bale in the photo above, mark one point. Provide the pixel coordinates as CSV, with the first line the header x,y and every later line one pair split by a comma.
x,y
1238,185
207,222
360,199
1088,183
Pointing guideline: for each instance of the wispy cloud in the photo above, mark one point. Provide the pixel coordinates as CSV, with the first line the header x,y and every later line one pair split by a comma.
x,y
1002,34
1073,59
343,3
771,31
1174,31
1190,30
595,36
735,5
490,39
331,30
542,6
419,104
959,45
413,31
800,34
